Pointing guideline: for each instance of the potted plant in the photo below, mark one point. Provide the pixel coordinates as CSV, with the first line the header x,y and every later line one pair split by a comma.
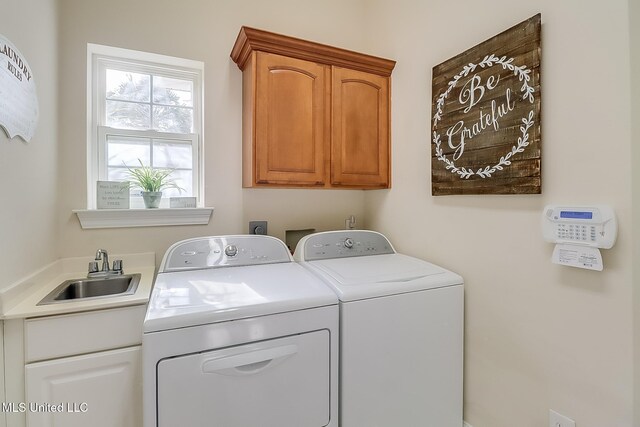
x,y
151,181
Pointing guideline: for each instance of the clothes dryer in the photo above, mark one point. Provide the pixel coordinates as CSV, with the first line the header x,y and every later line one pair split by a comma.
x,y
237,334
401,331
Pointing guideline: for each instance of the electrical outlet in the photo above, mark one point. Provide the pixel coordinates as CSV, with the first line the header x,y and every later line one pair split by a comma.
x,y
559,420
258,227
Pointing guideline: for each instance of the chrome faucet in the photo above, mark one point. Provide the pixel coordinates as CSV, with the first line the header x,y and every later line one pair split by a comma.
x,y
105,271
102,254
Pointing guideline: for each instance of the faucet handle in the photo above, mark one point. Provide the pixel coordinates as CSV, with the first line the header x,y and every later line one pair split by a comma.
x,y
117,266
93,267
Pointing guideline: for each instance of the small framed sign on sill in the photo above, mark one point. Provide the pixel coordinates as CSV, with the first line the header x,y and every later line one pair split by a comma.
x,y
183,202
112,195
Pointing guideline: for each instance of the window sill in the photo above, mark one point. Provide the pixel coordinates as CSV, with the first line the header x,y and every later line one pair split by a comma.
x,y
120,218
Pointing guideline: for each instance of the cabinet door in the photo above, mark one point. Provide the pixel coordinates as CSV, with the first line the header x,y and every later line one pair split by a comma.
x,y
98,390
291,124
360,123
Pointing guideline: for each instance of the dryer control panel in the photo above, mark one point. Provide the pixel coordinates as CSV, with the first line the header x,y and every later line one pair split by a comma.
x,y
224,251
342,244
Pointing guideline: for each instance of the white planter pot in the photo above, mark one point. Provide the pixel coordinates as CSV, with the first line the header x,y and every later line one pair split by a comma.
x,y
151,198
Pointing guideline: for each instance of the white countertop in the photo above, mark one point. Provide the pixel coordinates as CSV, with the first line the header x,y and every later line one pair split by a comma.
x,y
20,299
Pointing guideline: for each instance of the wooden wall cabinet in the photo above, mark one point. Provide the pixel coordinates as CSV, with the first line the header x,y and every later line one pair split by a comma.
x,y
313,115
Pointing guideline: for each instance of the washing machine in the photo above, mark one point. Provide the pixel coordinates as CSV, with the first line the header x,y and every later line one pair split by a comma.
x,y
401,331
236,334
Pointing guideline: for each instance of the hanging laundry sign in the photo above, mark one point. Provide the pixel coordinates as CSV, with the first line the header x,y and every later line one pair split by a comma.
x,y
485,123
18,98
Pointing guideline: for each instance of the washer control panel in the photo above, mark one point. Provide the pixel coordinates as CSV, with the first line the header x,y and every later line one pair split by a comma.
x,y
224,251
342,244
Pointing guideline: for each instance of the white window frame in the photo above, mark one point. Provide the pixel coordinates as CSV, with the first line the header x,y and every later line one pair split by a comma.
x,y
104,132
98,58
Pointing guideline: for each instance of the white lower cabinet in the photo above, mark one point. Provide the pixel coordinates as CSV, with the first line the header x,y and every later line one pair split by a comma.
x,y
99,389
75,370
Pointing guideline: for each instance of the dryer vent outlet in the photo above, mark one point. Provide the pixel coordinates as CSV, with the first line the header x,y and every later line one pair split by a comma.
x,y
258,227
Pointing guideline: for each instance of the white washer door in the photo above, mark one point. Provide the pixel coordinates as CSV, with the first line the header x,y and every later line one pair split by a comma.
x,y
281,382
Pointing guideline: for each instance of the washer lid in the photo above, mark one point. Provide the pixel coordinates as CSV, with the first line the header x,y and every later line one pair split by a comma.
x,y
379,275
196,297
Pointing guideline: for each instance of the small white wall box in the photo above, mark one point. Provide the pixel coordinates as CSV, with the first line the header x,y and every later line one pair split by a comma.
x,y
579,232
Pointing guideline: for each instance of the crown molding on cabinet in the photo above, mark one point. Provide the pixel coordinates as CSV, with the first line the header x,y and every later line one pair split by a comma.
x,y
251,39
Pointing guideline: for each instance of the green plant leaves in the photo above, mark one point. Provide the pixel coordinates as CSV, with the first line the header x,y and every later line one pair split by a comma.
x,y
151,179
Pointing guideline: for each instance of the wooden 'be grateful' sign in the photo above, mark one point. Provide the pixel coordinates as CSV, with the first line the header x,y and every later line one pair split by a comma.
x,y
486,117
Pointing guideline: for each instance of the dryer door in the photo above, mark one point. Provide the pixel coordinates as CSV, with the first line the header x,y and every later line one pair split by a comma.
x,y
282,382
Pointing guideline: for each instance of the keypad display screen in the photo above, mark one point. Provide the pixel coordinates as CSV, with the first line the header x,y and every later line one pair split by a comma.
x,y
576,215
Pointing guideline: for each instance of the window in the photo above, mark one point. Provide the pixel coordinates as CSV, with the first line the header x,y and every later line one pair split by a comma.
x,y
144,108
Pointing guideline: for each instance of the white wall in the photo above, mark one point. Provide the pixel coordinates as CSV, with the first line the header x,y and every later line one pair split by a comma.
x,y
634,25
28,171
538,336
205,31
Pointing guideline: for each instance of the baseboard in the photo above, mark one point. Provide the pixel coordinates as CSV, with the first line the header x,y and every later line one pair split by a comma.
x,y
466,424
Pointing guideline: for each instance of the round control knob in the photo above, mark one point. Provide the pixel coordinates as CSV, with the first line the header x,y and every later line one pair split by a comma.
x,y
231,250
348,243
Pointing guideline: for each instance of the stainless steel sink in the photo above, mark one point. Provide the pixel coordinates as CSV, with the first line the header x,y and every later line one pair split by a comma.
x,y
97,287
